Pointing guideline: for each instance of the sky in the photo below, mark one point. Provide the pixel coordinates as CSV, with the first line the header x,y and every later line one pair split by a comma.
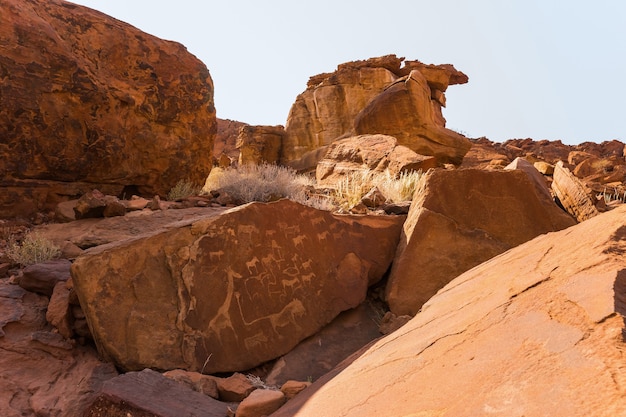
x,y
540,69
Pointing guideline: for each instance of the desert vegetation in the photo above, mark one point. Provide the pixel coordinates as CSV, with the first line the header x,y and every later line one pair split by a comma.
x,y
268,182
32,249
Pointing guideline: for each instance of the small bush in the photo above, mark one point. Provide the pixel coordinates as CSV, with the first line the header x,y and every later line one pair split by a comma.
x,y
33,249
353,186
398,189
182,190
263,183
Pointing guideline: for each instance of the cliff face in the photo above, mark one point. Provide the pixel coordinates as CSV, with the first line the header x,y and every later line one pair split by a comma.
x,y
88,99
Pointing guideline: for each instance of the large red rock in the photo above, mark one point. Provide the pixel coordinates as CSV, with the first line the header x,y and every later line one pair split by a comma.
x,y
92,101
327,110
537,331
459,219
231,291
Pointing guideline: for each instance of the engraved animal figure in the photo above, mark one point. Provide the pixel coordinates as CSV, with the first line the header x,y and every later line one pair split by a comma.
x,y
307,264
307,278
299,240
253,265
217,255
323,235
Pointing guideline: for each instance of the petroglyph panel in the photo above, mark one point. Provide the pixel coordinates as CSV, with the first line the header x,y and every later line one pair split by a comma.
x,y
250,285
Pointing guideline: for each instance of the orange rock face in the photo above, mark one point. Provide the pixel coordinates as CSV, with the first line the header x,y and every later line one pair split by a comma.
x,y
88,99
327,110
459,219
537,331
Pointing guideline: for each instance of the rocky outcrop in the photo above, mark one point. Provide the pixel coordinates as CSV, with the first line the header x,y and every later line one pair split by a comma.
x,y
260,144
408,111
230,291
536,331
368,153
225,145
572,194
91,102
328,108
460,219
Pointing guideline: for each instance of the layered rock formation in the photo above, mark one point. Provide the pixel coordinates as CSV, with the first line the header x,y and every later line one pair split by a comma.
x,y
88,102
260,144
536,331
230,292
377,153
357,91
459,219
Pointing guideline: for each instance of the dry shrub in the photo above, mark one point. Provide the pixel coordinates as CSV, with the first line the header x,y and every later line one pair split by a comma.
x,y
263,183
182,190
33,249
353,186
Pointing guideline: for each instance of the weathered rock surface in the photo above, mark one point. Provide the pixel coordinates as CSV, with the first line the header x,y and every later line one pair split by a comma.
x,y
41,373
226,139
150,394
536,331
572,193
460,219
43,276
93,102
87,233
326,111
260,144
230,292
318,354
368,152
262,402
405,110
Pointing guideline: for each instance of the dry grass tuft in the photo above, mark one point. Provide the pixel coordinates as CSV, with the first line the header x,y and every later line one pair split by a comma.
x,y
33,249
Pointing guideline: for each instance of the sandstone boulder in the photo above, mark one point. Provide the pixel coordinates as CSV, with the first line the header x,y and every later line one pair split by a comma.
x,y
260,144
460,219
326,111
368,153
572,193
405,111
230,291
536,331
91,102
225,144
261,402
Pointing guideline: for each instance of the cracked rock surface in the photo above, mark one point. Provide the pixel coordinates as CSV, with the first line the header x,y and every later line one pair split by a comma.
x,y
536,331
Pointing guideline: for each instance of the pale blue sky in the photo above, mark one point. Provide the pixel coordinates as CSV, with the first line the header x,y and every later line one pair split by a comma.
x,y
544,69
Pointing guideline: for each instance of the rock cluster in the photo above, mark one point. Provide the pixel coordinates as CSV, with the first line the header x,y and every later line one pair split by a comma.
x,y
507,269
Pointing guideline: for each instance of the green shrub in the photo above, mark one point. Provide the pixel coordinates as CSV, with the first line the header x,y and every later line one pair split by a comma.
x,y
182,190
33,249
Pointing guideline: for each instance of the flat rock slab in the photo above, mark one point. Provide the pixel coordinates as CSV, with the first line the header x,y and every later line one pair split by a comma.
x,y
230,291
150,394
